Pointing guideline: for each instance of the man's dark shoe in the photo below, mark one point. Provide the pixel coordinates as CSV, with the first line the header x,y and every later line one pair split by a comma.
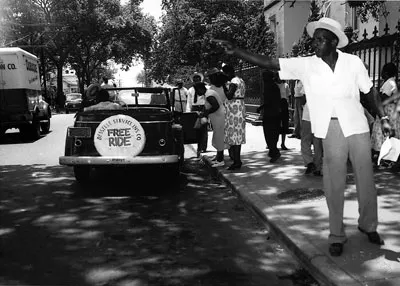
x,y
235,166
336,249
373,237
275,158
283,147
317,173
310,168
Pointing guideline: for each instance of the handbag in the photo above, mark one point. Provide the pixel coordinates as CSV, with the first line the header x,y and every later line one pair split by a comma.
x,y
199,122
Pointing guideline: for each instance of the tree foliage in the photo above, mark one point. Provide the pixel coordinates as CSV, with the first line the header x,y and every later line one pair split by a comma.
x,y
304,46
364,9
84,34
374,9
185,40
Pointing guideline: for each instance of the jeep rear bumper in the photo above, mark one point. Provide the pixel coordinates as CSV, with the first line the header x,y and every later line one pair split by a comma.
x,y
139,160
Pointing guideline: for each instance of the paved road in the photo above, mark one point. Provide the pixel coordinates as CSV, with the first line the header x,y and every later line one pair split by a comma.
x,y
127,231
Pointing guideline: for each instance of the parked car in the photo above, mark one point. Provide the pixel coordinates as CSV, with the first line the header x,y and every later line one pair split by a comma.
x,y
73,102
144,131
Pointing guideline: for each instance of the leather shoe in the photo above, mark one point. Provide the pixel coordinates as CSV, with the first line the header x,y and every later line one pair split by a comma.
x,y
283,147
317,173
373,237
336,249
234,166
275,158
310,168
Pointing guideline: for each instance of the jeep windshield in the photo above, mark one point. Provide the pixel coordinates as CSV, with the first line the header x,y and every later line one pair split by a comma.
x,y
146,97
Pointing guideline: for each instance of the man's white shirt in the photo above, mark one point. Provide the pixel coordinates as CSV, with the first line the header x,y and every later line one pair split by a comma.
x,y
331,93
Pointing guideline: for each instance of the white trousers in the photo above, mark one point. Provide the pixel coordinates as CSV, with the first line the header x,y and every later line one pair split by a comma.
x,y
337,150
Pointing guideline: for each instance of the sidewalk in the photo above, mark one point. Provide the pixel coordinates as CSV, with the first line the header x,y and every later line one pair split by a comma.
x,y
294,207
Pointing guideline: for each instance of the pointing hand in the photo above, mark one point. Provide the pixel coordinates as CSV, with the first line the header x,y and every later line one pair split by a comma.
x,y
228,46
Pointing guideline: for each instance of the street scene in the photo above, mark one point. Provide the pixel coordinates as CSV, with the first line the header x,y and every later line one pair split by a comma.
x,y
227,142
123,231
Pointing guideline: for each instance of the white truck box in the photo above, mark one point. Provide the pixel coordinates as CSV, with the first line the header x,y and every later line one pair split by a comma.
x,y
21,103
18,69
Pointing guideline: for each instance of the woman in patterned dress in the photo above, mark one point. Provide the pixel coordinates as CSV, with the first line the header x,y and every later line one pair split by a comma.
x,y
235,123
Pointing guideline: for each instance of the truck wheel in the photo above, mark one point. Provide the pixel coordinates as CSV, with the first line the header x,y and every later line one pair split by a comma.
x,y
2,132
182,155
45,126
82,174
35,130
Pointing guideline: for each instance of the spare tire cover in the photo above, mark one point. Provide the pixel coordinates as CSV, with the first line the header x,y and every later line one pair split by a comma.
x,y
120,136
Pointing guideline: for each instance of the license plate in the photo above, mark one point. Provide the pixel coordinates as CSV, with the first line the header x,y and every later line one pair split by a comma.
x,y
83,132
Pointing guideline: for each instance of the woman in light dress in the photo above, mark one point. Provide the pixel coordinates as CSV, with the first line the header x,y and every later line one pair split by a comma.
x,y
390,98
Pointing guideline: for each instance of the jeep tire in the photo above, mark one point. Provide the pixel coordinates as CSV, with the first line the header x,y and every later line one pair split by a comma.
x,y
82,174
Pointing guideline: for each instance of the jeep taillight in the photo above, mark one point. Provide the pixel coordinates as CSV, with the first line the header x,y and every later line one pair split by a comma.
x,y
82,132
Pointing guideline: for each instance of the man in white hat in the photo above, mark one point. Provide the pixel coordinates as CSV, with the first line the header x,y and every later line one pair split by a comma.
x,y
332,81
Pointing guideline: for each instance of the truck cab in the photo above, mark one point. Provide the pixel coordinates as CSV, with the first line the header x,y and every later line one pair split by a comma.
x,y
21,103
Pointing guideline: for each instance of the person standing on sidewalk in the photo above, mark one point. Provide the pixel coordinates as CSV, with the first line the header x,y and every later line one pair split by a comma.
x,y
215,109
272,114
235,122
180,96
298,109
332,80
196,103
285,94
313,162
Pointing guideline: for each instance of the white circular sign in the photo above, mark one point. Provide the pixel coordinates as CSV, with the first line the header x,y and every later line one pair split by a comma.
x,y
119,135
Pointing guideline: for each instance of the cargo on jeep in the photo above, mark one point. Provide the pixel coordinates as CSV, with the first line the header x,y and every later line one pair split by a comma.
x,y
21,103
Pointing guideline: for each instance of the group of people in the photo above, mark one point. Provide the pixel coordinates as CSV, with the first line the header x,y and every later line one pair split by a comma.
x,y
389,96
333,83
220,102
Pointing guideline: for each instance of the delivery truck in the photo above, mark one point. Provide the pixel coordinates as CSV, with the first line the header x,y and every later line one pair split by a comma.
x,y
21,103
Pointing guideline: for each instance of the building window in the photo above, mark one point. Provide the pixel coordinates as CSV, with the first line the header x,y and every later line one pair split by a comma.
x,y
272,24
354,22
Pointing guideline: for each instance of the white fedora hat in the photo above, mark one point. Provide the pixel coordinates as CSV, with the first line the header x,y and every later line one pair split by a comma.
x,y
330,25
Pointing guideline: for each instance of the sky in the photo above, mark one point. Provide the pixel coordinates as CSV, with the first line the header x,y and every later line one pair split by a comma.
x,y
152,7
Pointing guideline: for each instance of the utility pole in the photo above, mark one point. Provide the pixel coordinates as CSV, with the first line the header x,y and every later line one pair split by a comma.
x,y
43,67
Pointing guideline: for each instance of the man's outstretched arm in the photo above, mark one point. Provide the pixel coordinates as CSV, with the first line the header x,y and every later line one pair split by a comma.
x,y
256,59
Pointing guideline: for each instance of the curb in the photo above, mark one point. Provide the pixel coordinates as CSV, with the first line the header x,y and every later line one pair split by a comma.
x,y
318,264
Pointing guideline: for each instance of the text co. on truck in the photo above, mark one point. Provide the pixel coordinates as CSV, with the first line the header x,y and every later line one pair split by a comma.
x,y
21,103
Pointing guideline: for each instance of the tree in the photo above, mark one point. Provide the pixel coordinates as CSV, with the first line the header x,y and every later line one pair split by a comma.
x,y
367,9
121,34
185,43
85,34
304,45
141,78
